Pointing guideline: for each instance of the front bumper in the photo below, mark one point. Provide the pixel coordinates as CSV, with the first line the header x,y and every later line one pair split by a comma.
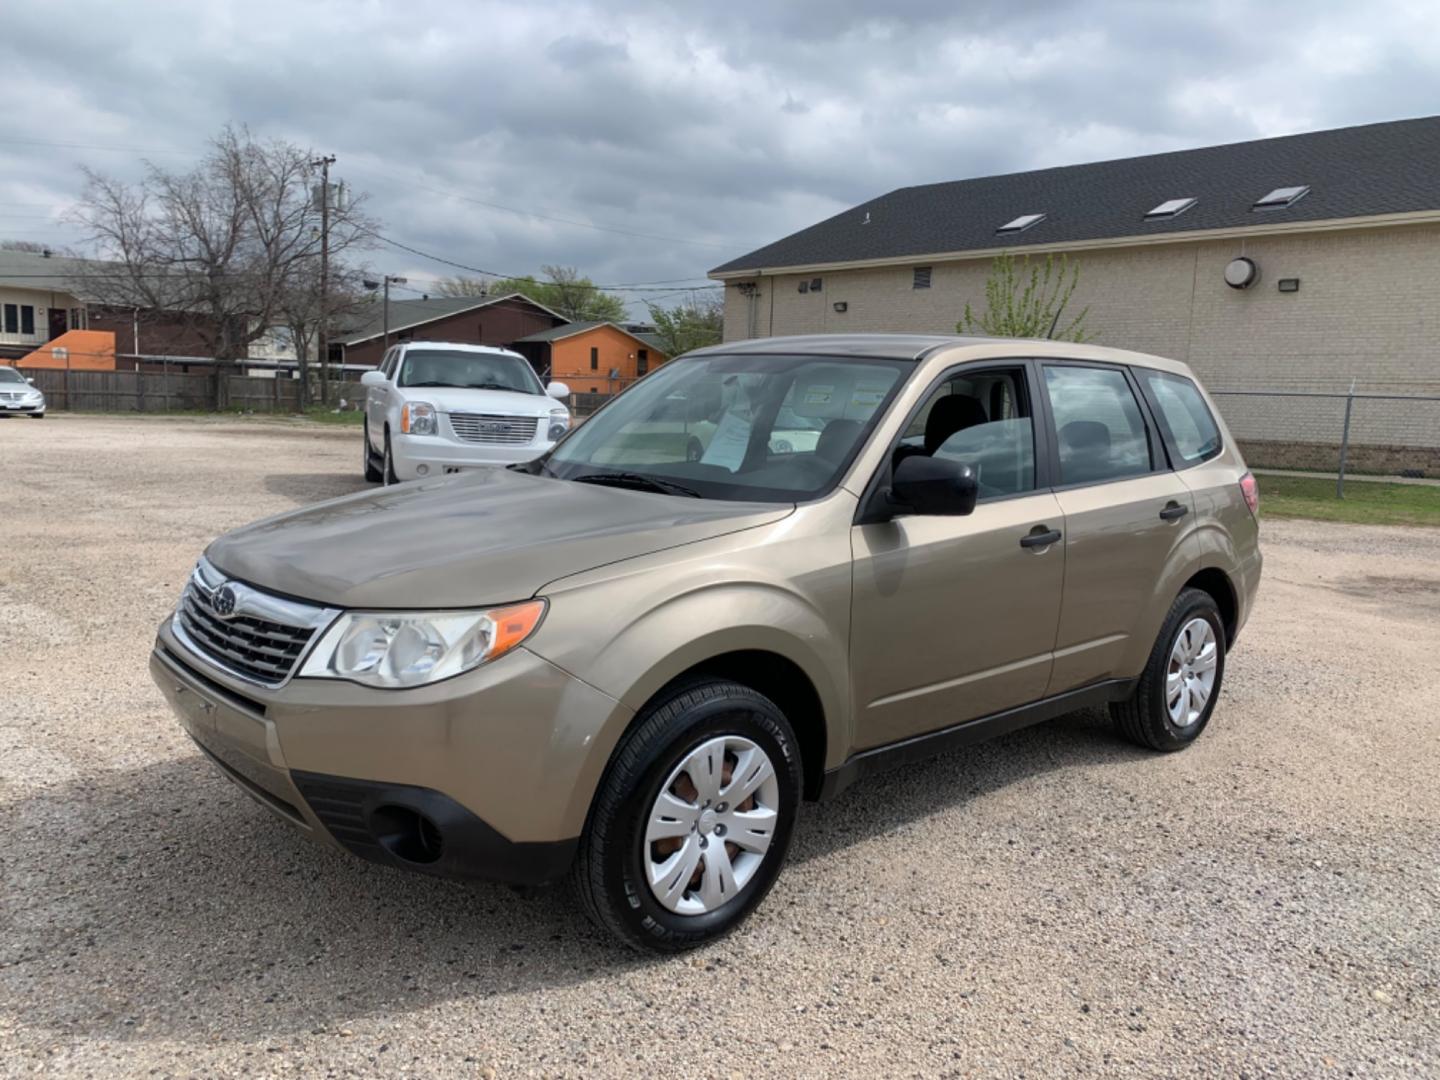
x,y
438,455
26,409
487,775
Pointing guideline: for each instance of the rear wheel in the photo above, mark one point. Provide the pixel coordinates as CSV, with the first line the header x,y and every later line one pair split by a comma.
x,y
367,456
1180,685
693,821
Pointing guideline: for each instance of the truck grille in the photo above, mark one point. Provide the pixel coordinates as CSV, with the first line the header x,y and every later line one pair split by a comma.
x,y
493,429
262,640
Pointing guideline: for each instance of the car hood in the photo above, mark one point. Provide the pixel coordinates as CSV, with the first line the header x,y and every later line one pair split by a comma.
x,y
485,537
450,399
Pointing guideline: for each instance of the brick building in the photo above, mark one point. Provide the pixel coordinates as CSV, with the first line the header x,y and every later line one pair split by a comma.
x,y
1339,232
471,320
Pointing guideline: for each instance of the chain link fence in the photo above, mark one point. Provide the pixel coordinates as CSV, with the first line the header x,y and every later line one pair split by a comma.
x,y
1357,431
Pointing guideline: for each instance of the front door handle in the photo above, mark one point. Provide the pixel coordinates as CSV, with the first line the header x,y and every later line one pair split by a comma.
x,y
1040,537
1173,511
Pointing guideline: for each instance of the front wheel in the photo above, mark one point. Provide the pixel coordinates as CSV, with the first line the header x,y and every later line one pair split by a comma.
x,y
693,820
367,456
1177,691
387,467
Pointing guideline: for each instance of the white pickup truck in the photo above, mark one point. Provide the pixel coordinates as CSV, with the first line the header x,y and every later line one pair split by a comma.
x,y
435,407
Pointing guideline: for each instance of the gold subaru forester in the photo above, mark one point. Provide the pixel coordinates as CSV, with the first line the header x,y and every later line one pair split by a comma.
x,y
763,571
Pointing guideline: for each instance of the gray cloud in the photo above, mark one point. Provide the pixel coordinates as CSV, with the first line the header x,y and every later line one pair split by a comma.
x,y
719,127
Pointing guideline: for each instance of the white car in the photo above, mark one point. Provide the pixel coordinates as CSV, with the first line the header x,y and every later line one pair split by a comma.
x,y
17,395
433,407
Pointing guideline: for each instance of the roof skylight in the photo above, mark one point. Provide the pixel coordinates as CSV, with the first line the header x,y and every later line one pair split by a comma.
x,y
1021,223
1171,208
1282,197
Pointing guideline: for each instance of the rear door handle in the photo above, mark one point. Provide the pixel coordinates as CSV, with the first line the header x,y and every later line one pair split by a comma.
x,y
1173,511
1039,537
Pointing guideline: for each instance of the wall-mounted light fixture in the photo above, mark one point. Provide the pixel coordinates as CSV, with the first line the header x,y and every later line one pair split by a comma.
x,y
804,286
1241,273
841,306
1289,284
815,284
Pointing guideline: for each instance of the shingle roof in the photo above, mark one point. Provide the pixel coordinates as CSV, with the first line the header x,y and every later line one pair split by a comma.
x,y
1352,172
556,333
31,270
408,313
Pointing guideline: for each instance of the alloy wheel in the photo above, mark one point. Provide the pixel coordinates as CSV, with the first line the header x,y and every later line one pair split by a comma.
x,y
1190,676
711,825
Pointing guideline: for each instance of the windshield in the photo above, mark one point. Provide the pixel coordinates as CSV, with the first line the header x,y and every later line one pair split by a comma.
x,y
467,370
767,428
9,374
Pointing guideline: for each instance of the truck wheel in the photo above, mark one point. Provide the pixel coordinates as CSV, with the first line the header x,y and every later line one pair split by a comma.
x,y
693,819
367,456
1178,689
387,468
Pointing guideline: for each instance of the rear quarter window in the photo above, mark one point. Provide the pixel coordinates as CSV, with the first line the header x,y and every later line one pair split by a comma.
x,y
1188,425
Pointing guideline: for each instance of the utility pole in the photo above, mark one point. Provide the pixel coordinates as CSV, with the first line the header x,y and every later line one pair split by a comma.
x,y
322,334
389,280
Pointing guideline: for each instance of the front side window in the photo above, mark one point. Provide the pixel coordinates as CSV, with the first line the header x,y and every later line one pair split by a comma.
x,y
467,371
1099,429
1192,432
766,428
983,420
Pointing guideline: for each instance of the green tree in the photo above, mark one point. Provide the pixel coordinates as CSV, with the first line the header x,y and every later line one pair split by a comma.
x,y
563,290
688,326
1028,299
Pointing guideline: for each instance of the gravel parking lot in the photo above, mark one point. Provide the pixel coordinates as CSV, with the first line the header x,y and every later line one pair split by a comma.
x,y
1053,903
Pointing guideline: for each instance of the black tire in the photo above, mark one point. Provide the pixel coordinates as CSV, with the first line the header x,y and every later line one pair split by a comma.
x,y
37,416
372,474
387,467
609,874
1143,717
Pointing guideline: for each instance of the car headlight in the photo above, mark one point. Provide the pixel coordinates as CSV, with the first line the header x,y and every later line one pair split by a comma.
x,y
418,418
395,650
559,423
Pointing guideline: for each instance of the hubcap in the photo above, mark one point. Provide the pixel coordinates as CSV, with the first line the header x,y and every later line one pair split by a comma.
x,y
711,825
1190,677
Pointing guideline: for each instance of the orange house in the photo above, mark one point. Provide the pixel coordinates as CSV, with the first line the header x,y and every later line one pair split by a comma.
x,y
592,357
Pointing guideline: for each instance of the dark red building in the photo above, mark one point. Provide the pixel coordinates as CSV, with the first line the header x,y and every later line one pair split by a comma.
x,y
470,320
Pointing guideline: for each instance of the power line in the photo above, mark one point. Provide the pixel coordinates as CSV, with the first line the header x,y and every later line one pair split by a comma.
x,y
548,217
498,274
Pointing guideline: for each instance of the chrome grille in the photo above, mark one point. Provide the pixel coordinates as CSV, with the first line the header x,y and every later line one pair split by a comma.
x,y
495,429
263,639
5,395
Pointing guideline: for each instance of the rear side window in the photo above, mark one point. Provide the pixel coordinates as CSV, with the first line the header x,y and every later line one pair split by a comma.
x,y
1099,429
1188,426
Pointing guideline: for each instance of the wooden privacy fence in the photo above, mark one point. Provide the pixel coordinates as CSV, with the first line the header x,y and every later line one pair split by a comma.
x,y
157,391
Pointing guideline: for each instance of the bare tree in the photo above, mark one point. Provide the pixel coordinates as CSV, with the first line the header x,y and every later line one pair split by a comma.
x,y
463,286
229,248
29,246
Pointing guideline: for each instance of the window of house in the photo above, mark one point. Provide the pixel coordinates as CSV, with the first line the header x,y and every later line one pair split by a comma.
x,y
1184,416
27,319
12,318
594,358
1099,429
642,361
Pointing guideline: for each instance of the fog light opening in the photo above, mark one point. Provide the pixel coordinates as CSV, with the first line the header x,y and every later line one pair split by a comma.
x,y
407,834
423,470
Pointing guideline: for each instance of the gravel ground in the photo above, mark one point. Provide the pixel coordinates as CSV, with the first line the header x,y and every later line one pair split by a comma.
x,y
1053,903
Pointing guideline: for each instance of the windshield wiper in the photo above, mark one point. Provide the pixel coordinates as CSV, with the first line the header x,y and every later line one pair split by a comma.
x,y
639,481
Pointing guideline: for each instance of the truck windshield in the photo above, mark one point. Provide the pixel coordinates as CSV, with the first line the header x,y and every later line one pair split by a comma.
x,y
753,428
468,371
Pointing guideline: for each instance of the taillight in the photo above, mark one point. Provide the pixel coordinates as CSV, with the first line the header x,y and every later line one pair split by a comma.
x,y
1251,490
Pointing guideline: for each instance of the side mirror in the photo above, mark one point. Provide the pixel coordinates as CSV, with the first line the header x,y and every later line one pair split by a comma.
x,y
558,390
30,381
928,485
373,378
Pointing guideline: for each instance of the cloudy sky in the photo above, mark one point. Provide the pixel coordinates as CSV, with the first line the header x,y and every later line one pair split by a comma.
x,y
646,142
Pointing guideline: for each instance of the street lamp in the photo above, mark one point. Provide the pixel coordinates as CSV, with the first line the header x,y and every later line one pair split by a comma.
x,y
388,280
